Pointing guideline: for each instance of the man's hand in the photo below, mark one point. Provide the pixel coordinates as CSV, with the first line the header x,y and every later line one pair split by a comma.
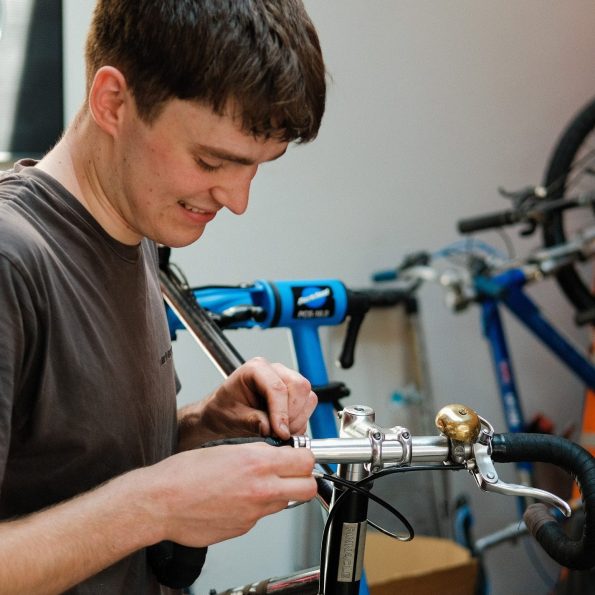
x,y
259,398
203,496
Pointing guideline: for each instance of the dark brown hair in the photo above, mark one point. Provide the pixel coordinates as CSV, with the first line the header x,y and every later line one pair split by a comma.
x,y
261,55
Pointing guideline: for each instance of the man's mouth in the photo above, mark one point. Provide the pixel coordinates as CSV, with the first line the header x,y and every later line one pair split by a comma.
x,y
193,209
198,216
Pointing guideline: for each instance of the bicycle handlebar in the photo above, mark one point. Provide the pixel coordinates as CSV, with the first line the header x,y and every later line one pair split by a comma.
x,y
465,441
468,441
577,554
489,221
378,298
530,207
485,271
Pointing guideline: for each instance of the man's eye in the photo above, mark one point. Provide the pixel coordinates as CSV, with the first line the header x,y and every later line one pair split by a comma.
x,y
208,167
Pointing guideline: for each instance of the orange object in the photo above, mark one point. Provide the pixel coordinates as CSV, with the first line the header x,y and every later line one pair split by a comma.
x,y
587,437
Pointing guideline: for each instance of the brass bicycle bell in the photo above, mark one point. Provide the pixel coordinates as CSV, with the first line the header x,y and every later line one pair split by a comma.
x,y
458,422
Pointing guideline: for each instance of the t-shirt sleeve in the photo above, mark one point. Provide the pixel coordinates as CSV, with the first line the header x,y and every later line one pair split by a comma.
x,y
17,326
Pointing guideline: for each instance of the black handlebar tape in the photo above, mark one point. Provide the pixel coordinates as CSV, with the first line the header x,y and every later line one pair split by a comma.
x,y
361,300
489,221
576,554
386,298
248,440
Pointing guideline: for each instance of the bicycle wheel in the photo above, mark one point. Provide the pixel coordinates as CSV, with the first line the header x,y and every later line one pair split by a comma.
x,y
571,172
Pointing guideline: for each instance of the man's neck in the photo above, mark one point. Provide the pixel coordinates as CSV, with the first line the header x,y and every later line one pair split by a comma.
x,y
75,163
62,162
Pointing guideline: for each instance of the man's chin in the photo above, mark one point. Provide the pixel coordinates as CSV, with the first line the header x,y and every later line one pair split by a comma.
x,y
179,240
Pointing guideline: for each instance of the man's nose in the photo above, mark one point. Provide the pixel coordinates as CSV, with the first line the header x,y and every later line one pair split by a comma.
x,y
234,192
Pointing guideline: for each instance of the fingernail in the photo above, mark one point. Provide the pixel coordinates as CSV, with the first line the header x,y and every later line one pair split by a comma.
x,y
284,428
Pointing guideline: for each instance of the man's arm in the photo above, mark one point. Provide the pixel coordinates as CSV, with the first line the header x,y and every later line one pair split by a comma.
x,y
52,550
195,498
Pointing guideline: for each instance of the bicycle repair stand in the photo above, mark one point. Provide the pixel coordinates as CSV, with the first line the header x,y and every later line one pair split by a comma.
x,y
302,306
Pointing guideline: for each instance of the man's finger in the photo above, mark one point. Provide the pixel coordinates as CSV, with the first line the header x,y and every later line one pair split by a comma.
x,y
267,382
301,401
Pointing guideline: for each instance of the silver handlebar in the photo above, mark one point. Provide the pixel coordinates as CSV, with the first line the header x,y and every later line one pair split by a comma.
x,y
426,449
465,439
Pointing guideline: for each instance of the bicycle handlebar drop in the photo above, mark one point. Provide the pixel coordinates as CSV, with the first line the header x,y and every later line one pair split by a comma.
x,y
577,554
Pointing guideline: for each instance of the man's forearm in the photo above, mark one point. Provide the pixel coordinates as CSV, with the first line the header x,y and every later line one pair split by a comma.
x,y
57,548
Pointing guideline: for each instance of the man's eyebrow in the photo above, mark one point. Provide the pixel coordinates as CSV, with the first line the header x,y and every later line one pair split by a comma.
x,y
227,156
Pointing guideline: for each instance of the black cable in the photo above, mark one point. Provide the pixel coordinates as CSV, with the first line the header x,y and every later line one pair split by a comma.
x,y
358,487
326,468
353,487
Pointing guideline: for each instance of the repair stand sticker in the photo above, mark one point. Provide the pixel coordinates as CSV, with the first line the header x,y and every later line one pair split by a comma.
x,y
313,302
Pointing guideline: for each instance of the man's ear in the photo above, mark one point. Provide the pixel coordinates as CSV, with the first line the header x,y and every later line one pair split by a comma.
x,y
108,99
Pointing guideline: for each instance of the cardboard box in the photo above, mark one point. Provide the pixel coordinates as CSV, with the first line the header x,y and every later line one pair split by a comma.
x,y
423,566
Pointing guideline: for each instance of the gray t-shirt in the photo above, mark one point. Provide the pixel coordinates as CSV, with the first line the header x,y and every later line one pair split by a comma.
x,y
87,384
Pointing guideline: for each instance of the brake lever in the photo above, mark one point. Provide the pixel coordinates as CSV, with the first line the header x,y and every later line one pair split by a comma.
x,y
482,468
525,200
467,430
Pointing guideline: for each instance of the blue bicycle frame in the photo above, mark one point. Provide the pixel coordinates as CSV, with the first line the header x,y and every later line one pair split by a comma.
x,y
507,288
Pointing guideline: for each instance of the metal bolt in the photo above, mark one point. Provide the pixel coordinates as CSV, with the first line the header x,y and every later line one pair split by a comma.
x,y
377,435
406,435
490,475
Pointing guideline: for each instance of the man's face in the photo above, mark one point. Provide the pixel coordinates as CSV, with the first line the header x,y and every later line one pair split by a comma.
x,y
174,175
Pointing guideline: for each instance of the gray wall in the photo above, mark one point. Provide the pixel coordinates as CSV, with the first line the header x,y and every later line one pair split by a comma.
x,y
432,106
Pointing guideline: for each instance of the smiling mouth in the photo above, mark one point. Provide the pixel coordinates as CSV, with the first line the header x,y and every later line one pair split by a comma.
x,y
193,209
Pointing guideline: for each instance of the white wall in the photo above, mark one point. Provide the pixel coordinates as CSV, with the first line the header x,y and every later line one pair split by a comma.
x,y
432,106
76,18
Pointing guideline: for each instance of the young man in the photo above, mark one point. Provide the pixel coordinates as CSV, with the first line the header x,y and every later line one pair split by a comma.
x,y
185,99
